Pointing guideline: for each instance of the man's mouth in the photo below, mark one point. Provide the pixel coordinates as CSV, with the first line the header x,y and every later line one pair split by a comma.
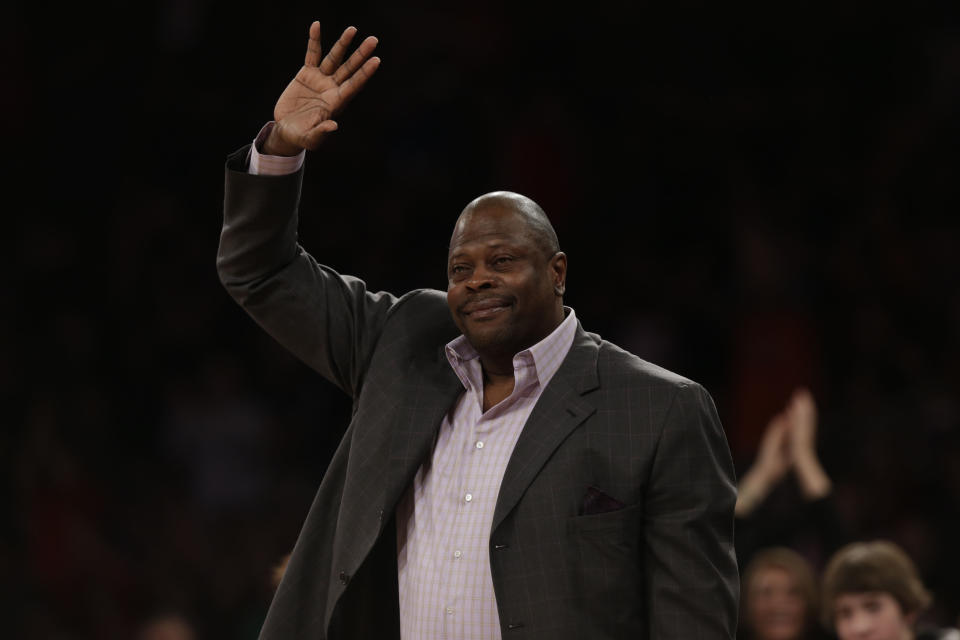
x,y
485,307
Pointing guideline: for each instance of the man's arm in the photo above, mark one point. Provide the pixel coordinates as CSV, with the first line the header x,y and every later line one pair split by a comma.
x,y
328,321
692,580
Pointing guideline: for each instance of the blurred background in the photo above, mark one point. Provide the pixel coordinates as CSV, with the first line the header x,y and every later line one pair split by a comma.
x,y
757,197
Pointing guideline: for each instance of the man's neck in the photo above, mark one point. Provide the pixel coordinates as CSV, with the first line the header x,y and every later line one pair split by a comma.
x,y
496,387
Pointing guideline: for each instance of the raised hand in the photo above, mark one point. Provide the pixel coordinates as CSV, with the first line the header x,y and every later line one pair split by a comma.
x,y
773,455
323,86
802,414
771,465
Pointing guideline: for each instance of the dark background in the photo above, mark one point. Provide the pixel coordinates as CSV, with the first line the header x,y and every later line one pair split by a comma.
x,y
755,197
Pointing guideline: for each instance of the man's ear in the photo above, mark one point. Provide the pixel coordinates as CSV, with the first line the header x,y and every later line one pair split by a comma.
x,y
558,271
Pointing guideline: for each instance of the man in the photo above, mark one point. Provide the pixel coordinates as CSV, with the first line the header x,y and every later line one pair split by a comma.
x,y
505,473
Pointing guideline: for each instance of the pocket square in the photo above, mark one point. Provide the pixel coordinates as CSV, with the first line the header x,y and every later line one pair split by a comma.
x,y
596,501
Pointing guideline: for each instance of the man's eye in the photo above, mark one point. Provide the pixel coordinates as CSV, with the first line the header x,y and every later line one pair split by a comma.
x,y
458,269
502,259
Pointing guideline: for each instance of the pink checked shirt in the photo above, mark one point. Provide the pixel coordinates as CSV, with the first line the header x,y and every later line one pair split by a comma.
x,y
444,518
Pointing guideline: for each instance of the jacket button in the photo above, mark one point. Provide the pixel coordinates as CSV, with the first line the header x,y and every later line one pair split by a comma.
x,y
514,625
344,578
500,547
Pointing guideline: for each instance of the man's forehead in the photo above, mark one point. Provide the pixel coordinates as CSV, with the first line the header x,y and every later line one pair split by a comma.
x,y
489,219
488,242
490,230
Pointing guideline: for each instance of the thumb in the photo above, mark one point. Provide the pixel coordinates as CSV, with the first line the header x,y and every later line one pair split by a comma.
x,y
313,137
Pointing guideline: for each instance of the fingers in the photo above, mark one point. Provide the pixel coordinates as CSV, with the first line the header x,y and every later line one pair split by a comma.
x,y
358,64
332,61
311,139
803,410
777,426
312,57
803,399
356,61
355,82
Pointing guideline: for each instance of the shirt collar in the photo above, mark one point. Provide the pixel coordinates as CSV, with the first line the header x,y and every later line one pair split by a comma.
x,y
545,356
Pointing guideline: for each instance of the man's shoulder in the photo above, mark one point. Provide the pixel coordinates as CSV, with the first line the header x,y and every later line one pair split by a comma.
x,y
427,305
645,392
422,315
617,364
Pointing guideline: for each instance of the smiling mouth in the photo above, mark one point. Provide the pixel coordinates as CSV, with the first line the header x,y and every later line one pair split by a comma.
x,y
485,308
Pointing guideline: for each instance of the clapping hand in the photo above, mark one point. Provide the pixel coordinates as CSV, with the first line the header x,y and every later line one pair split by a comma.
x,y
789,442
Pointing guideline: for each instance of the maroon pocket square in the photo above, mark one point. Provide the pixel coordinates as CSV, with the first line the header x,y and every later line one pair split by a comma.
x,y
596,501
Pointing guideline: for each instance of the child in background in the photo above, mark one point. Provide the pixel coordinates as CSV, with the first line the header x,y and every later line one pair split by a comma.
x,y
872,591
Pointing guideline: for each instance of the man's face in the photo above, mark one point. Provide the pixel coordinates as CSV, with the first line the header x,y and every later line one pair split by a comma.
x,y
500,282
776,608
874,615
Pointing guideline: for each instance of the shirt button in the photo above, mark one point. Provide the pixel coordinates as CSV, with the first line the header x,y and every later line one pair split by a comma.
x,y
457,553
468,497
479,444
449,611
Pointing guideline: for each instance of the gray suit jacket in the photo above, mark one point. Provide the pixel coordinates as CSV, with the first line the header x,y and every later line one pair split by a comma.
x,y
651,558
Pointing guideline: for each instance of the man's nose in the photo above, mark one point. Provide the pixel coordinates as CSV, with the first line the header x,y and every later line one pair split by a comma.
x,y
480,278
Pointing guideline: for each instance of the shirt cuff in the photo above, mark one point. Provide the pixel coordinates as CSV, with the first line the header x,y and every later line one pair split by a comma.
x,y
264,165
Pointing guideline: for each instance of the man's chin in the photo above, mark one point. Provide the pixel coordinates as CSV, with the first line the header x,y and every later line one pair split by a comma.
x,y
486,336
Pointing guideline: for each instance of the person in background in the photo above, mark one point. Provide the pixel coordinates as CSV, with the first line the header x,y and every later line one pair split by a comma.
x,y
872,591
807,518
167,626
276,575
779,597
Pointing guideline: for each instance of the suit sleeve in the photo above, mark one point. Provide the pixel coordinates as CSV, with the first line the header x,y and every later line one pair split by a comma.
x,y
329,321
693,584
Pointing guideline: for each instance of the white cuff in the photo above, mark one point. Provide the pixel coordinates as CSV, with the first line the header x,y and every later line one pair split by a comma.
x,y
264,165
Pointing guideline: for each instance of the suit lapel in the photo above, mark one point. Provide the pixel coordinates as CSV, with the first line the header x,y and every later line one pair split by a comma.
x,y
430,392
373,489
431,388
560,409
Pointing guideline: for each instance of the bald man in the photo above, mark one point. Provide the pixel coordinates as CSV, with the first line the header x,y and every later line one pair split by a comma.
x,y
505,474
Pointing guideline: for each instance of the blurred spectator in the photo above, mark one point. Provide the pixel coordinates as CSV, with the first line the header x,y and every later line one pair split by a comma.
x,y
872,591
277,574
779,597
813,526
167,626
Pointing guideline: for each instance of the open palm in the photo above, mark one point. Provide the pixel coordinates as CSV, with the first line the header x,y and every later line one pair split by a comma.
x,y
305,110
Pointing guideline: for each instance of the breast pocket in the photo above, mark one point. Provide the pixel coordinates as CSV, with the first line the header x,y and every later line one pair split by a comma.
x,y
604,554
620,524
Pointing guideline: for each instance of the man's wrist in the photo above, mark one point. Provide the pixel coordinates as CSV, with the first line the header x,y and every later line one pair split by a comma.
x,y
262,163
274,145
